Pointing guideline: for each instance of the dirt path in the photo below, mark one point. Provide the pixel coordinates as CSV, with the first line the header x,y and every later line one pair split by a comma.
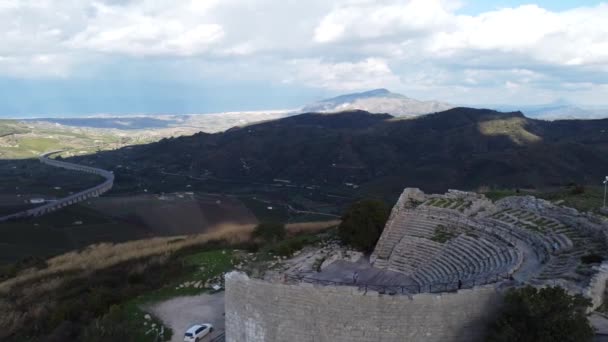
x,y
182,312
531,265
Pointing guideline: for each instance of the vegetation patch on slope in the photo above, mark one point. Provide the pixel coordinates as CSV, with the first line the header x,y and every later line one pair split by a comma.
x,y
443,234
542,315
514,128
97,293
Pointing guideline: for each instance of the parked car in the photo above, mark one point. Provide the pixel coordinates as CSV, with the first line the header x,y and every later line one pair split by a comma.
x,y
196,332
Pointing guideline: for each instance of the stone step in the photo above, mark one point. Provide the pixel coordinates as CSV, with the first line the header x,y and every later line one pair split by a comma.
x,y
381,263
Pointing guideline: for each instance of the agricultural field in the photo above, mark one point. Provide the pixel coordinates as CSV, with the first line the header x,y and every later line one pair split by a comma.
x,y
588,198
144,212
28,139
27,179
582,198
30,177
118,219
175,213
71,228
31,137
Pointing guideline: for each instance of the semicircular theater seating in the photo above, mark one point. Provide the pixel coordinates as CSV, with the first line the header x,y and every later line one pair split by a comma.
x,y
470,253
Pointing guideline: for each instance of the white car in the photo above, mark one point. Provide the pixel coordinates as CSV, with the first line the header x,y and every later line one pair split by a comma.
x,y
196,332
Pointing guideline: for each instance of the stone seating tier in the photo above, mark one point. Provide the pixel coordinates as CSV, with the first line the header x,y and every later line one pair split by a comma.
x,y
465,258
411,253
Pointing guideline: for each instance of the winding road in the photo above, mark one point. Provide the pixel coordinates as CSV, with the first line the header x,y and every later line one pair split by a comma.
x,y
80,196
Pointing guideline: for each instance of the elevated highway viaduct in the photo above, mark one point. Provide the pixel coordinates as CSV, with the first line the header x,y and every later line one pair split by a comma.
x,y
80,196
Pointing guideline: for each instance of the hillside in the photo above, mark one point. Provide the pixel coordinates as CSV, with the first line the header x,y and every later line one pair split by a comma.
x,y
459,148
378,101
26,139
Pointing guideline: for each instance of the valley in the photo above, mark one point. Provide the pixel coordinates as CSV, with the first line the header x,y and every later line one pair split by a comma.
x,y
28,138
352,153
184,210
243,176
327,171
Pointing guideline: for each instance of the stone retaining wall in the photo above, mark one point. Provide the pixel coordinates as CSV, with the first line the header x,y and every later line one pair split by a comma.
x,y
259,311
597,286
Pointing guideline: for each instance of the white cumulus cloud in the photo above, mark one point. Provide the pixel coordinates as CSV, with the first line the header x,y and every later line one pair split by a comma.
x,y
365,20
412,46
343,76
147,30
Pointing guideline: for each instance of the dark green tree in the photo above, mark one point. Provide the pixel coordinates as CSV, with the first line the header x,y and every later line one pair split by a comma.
x,y
270,232
363,223
113,326
545,315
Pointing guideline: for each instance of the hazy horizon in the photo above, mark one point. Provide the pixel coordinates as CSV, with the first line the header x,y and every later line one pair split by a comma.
x,y
262,109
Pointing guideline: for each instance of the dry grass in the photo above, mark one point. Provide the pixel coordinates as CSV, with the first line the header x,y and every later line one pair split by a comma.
x,y
104,255
310,227
29,297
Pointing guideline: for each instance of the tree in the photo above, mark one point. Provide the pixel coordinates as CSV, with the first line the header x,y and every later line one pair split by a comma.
x,y
113,326
548,314
270,232
578,189
363,223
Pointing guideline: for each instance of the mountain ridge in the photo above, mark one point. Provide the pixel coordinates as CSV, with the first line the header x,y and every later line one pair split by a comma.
x,y
377,101
459,148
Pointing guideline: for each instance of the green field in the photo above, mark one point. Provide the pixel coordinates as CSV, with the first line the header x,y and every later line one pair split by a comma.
x,y
208,265
582,198
71,228
590,199
9,127
278,213
27,140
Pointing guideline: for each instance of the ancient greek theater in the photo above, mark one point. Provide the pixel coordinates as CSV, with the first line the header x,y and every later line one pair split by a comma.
x,y
437,273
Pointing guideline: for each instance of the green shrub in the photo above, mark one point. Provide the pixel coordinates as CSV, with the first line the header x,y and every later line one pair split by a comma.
x,y
545,315
287,248
318,262
270,232
10,270
113,326
363,223
592,259
80,299
578,190
443,234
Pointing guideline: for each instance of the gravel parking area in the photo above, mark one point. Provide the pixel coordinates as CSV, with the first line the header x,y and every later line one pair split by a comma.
x,y
182,312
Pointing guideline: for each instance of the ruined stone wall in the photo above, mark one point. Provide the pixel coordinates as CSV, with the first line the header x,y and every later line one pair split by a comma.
x,y
597,286
259,311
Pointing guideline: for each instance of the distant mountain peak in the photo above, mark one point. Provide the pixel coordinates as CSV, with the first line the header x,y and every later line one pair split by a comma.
x,y
376,92
562,102
378,101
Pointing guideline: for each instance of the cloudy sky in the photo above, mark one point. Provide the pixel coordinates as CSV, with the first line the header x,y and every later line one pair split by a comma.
x,y
67,57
